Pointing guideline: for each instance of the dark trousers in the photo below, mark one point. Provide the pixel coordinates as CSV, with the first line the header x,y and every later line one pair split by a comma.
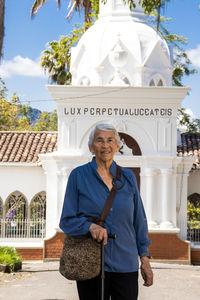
x,y
118,286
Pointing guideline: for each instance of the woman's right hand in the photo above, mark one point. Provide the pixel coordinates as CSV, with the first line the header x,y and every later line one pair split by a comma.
x,y
98,233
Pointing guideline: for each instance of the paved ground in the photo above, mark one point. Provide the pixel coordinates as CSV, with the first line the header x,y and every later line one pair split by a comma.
x,y
42,281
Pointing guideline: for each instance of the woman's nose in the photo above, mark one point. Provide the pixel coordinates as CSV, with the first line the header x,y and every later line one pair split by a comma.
x,y
105,144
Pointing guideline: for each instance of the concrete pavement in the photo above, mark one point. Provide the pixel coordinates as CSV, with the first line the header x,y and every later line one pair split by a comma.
x,y
42,281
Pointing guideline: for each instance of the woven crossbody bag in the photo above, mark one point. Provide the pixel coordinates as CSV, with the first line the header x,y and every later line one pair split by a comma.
x,y
81,257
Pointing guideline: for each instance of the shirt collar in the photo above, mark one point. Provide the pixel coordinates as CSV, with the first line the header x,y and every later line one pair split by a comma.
x,y
113,167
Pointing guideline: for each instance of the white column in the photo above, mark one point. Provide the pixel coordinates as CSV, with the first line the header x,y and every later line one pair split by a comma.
x,y
149,177
168,199
182,194
62,178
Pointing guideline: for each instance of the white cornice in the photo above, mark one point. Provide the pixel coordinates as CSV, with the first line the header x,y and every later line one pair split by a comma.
x,y
63,94
19,164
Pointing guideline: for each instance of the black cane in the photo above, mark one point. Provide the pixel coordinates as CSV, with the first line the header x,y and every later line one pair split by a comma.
x,y
102,270
111,236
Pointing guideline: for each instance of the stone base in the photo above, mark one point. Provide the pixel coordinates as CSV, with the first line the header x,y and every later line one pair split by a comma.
x,y
195,256
165,247
169,247
53,246
30,253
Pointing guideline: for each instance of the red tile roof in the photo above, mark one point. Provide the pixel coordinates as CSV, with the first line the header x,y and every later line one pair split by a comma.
x,y
190,144
19,146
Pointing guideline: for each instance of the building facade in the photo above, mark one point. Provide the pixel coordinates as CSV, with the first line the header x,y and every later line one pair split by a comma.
x,y
122,75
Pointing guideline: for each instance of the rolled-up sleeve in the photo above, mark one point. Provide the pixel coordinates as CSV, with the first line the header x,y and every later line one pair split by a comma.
x,y
70,222
140,224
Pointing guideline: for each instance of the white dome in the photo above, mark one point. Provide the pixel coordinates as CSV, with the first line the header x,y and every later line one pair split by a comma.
x,y
121,49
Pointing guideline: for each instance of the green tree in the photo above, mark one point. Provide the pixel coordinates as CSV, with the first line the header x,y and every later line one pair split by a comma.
x,y
46,122
74,5
193,211
11,112
186,122
55,59
77,5
14,116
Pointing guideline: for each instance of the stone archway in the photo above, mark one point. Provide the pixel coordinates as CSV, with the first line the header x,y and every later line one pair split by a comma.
x,y
131,143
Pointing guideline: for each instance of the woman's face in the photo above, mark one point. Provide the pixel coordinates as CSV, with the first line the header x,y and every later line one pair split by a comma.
x,y
104,145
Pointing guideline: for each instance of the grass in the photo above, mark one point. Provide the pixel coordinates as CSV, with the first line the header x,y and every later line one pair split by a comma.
x,y
10,257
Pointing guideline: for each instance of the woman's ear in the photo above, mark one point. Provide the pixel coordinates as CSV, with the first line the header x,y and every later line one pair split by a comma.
x,y
91,148
117,149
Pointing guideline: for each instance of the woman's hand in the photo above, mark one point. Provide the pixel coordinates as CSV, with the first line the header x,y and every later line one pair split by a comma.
x,y
146,271
98,233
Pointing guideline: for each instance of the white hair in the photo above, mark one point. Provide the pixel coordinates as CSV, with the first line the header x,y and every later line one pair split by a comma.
x,y
104,127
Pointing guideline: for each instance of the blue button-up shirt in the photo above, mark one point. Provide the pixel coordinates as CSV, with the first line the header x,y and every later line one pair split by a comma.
x,y
85,197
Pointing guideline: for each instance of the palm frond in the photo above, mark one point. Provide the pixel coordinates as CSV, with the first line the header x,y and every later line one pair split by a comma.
x,y
38,4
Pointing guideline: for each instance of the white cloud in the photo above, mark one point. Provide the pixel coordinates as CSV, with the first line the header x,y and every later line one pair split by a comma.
x,y
190,113
23,66
194,56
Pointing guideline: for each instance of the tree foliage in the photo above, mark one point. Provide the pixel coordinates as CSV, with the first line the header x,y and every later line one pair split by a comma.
x,y
15,116
77,5
73,5
55,59
193,211
46,122
186,122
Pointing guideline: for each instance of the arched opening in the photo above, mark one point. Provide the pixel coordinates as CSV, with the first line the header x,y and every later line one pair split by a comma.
x,y
160,82
156,80
16,216
193,218
16,207
38,207
152,83
132,144
38,216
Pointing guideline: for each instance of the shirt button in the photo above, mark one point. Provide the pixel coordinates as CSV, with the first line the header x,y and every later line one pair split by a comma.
x,y
111,209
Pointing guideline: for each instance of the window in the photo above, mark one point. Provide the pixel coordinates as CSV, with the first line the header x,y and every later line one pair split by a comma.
x,y
38,216
15,217
38,207
160,83
16,207
152,83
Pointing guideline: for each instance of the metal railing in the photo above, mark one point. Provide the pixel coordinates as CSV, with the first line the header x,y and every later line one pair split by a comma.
x,y
193,231
22,228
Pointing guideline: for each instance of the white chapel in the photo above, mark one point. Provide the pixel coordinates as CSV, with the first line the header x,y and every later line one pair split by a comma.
x,y
122,74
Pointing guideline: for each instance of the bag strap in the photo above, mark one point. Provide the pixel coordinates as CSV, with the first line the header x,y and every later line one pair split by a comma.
x,y
111,196
109,201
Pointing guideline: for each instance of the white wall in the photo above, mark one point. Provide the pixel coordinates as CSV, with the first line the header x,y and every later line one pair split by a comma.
x,y
194,182
27,180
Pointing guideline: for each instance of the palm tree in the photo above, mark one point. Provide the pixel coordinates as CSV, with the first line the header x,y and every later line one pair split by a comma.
x,y
74,5
2,9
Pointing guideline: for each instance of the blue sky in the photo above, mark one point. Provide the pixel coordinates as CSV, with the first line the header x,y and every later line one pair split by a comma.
x,y
25,39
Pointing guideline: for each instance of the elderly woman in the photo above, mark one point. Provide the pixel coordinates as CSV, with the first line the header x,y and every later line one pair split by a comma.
x,y
87,190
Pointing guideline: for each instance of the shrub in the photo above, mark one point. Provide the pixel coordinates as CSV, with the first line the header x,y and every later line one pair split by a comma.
x,y
10,257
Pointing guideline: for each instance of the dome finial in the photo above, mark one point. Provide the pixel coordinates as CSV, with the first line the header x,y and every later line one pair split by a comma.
x,y
113,8
117,8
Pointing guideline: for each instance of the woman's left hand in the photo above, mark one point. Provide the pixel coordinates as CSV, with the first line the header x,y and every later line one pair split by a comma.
x,y
146,271
98,233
